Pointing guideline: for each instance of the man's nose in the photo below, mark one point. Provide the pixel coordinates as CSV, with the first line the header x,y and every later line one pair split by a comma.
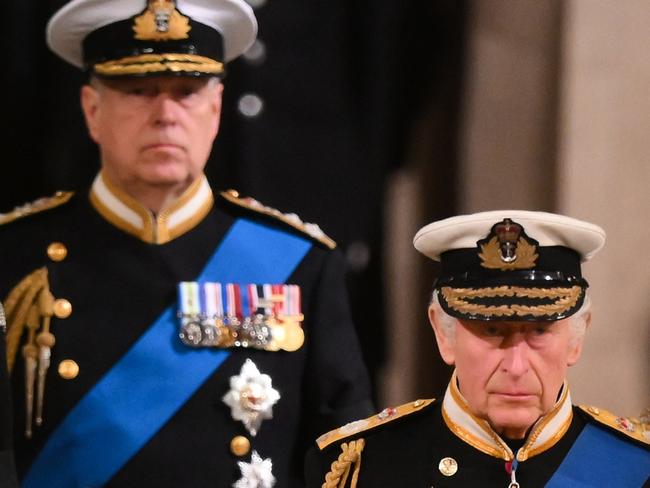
x,y
515,360
165,109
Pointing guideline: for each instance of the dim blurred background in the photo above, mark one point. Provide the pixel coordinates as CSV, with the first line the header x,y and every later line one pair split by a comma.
x,y
375,117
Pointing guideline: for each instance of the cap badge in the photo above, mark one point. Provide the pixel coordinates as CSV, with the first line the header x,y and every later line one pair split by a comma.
x,y
161,21
507,247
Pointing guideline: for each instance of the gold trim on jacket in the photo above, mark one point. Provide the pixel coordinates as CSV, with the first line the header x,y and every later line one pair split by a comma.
x,y
129,215
478,433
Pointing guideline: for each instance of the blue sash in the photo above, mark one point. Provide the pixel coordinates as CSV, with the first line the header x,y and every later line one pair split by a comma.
x,y
598,458
155,378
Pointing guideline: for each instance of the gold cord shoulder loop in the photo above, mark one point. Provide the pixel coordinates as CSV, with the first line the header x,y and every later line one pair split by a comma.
x,y
340,469
17,308
29,306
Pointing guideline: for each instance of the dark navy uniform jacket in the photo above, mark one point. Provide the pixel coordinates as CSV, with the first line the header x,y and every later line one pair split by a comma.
x,y
7,470
438,444
120,273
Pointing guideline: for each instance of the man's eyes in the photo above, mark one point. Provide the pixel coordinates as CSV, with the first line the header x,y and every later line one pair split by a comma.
x,y
541,329
187,91
492,330
136,91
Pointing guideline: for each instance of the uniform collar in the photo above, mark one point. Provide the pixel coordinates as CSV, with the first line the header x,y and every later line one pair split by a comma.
x,y
127,214
546,432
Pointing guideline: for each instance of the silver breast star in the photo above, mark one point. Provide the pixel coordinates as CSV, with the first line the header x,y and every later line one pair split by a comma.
x,y
256,474
251,397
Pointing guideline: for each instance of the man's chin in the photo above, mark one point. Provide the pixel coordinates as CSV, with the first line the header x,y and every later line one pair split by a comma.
x,y
166,175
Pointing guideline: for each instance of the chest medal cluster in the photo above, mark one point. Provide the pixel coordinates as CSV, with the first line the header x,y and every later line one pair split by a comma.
x,y
265,317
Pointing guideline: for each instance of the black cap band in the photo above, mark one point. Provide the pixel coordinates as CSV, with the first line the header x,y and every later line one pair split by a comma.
x,y
116,41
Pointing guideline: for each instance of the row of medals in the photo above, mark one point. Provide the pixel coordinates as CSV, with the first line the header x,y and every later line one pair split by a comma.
x,y
266,332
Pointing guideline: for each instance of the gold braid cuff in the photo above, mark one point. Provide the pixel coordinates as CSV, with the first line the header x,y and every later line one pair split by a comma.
x,y
340,469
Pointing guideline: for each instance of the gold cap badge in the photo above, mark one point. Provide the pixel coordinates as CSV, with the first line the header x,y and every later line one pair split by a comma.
x,y
161,21
507,247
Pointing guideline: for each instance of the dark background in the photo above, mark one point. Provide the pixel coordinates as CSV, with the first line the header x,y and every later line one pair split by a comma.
x,y
342,85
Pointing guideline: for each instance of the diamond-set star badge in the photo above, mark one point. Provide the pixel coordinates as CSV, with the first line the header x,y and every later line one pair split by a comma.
x,y
256,474
251,397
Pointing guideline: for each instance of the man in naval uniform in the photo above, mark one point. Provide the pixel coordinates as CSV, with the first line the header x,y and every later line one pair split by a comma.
x,y
159,334
509,311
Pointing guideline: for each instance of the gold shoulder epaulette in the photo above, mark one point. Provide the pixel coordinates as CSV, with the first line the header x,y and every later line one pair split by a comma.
x,y
45,203
383,417
312,230
632,427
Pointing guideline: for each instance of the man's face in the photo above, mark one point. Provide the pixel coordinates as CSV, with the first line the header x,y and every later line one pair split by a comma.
x,y
153,132
510,373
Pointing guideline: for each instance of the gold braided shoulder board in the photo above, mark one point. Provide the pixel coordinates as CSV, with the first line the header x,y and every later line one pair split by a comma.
x,y
291,219
383,417
631,427
45,203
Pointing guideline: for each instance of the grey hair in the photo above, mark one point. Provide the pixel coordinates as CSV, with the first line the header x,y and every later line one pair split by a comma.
x,y
447,322
577,322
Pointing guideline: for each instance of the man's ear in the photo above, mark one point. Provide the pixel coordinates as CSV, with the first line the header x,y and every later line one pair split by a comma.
x,y
446,343
576,345
90,106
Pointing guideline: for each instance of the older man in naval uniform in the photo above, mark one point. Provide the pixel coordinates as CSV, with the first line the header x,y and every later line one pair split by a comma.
x,y
159,334
509,311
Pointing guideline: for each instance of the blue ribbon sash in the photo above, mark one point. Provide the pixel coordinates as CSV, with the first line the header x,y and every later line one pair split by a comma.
x,y
599,458
101,433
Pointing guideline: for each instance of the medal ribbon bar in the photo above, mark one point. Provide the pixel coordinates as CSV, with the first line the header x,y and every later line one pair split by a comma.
x,y
266,316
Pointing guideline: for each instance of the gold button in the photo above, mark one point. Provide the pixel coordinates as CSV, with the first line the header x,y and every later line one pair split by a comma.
x,y
68,369
448,466
62,308
594,410
233,193
417,403
240,445
57,251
